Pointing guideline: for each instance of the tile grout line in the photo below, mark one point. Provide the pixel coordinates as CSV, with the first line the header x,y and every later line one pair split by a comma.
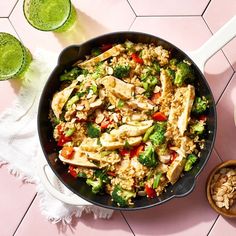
x,y
15,30
206,8
170,16
221,48
131,8
226,86
24,214
218,155
213,225
132,23
12,9
127,223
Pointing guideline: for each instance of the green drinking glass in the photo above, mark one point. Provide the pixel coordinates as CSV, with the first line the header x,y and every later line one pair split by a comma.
x,y
14,57
50,15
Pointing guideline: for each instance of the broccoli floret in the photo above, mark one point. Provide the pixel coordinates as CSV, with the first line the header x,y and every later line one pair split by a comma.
x,y
96,184
200,105
183,72
121,197
198,127
170,73
96,51
99,71
148,158
100,177
72,74
191,159
93,130
158,137
121,71
173,63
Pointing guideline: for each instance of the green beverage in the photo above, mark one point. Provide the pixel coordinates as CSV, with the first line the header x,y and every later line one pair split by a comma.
x,y
14,57
50,15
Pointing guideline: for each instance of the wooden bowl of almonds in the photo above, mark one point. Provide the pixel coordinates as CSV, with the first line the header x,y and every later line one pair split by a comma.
x,y
221,188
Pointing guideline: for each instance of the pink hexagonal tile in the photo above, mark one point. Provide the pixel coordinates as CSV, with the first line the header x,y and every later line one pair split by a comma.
x,y
86,225
226,130
8,89
216,15
90,23
189,33
6,7
190,215
15,198
168,7
223,226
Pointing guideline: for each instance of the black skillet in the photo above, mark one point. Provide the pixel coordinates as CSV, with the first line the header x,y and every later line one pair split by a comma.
x,y
66,59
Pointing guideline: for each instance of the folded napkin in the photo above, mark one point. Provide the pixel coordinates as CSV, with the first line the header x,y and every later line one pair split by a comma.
x,y
20,146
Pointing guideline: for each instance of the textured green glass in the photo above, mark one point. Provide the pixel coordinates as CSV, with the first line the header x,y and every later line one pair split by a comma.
x,y
50,15
14,57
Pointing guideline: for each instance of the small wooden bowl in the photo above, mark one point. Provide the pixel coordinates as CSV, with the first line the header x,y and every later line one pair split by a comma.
x,y
224,212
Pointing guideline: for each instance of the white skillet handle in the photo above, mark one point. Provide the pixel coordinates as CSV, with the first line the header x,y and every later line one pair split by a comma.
x,y
214,44
45,178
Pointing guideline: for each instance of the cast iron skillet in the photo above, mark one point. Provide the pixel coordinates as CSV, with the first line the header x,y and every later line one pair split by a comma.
x,y
66,59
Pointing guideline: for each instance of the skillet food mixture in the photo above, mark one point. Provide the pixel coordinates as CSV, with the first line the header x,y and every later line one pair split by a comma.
x,y
128,120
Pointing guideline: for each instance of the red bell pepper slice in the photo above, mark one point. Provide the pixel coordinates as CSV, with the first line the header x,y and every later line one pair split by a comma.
x,y
105,47
62,140
67,152
136,151
151,193
124,152
111,173
173,156
159,116
105,123
136,58
203,118
72,171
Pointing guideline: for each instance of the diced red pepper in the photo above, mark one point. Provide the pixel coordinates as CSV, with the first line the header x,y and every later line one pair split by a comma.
x,y
72,171
59,129
63,139
151,193
159,116
111,173
105,123
136,58
203,118
105,47
124,152
67,152
173,156
136,151
155,97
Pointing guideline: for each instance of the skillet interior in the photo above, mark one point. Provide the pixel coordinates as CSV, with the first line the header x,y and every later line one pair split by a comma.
x,y
66,59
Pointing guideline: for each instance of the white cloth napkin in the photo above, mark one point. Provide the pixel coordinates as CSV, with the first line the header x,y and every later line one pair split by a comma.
x,y
20,147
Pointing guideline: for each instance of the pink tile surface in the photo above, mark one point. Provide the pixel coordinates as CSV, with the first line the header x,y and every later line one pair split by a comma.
x,y
169,7
90,23
226,134
223,11
86,225
175,22
15,198
190,215
6,7
224,226
218,71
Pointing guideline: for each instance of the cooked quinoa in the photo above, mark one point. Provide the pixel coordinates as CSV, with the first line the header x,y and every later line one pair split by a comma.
x,y
128,120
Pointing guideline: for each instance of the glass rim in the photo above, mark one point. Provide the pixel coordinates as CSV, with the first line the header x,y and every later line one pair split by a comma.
x,y
6,77
48,30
